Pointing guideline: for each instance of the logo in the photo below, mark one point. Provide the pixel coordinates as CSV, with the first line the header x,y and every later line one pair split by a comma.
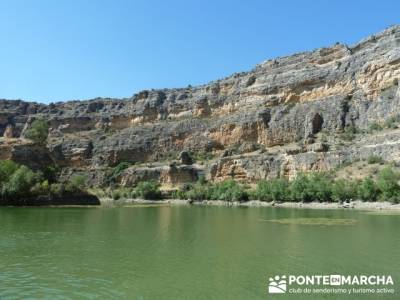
x,y
331,284
277,285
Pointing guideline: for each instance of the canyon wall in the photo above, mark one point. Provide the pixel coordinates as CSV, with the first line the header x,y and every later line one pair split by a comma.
x,y
310,111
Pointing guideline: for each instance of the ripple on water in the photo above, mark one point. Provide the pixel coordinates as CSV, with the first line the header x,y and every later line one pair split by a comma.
x,y
314,221
383,212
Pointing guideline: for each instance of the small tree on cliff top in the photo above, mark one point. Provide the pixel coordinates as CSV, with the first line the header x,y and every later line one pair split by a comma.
x,y
38,131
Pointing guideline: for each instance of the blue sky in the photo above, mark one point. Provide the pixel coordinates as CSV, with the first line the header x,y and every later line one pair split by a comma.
x,y
79,49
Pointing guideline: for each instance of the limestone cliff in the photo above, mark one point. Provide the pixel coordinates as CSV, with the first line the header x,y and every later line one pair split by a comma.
x,y
287,115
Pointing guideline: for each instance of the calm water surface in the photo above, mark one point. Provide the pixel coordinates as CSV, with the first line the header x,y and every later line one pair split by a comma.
x,y
185,252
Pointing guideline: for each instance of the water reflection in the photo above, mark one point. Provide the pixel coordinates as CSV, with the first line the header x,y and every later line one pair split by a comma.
x,y
183,252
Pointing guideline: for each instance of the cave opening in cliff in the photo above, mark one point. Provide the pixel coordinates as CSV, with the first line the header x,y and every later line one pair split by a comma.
x,y
317,122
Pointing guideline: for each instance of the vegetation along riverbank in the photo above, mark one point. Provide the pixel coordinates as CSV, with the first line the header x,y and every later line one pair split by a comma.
x,y
314,190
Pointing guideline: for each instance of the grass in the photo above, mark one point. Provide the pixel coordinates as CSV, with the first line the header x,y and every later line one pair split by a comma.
x,y
202,156
374,126
349,133
391,123
375,159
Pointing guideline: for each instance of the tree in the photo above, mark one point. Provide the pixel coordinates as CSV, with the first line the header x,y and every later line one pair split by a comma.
x,y
228,190
319,187
148,190
262,192
76,183
21,182
7,168
343,190
299,188
273,190
38,131
368,190
388,185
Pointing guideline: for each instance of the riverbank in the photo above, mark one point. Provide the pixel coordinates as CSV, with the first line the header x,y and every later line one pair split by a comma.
x,y
358,205
51,200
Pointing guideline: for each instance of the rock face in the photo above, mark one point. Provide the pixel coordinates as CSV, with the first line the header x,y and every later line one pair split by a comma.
x,y
286,115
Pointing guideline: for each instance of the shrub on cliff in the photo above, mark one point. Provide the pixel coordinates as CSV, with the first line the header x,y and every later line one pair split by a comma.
x,y
349,133
374,126
375,159
38,131
77,183
117,171
392,122
149,190
41,188
51,173
57,189
116,195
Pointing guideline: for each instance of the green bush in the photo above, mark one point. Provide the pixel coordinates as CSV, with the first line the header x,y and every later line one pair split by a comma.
x,y
202,180
228,190
299,188
368,190
38,131
202,156
77,183
116,195
392,122
117,171
320,187
7,168
198,192
57,189
343,190
20,182
349,133
375,127
262,191
148,190
388,185
41,188
181,193
272,190
51,173
374,159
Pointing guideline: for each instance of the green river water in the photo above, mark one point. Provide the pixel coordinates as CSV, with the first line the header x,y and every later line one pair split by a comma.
x,y
189,252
